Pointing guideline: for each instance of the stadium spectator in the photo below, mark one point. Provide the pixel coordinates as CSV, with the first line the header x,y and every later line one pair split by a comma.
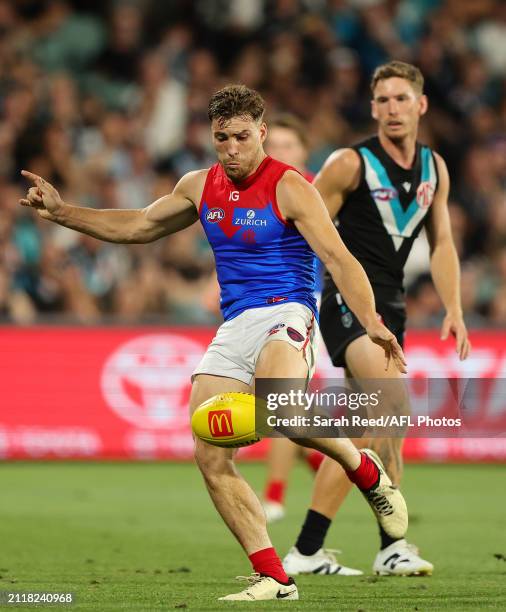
x,y
113,116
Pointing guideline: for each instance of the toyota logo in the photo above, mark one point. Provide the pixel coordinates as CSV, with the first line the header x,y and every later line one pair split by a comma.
x,y
146,381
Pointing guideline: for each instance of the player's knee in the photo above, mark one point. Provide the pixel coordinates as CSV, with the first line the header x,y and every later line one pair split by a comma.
x,y
212,461
396,403
302,441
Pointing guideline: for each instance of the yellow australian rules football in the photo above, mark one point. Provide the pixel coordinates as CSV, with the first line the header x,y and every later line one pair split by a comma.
x,y
227,419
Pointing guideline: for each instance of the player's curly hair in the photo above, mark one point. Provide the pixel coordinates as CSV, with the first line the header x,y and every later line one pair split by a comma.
x,y
236,101
401,70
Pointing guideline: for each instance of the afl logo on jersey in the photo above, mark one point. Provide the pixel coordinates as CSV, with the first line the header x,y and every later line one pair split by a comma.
x,y
424,194
385,194
215,215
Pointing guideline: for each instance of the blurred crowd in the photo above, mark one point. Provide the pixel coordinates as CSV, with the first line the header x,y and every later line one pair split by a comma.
x,y
108,101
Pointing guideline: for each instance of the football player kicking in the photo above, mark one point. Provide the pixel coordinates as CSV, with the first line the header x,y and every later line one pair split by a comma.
x,y
263,221
381,192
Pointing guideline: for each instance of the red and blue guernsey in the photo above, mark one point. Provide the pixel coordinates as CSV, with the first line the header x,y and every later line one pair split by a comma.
x,y
261,259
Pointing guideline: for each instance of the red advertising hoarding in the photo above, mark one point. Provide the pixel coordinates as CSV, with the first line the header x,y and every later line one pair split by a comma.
x,y
122,393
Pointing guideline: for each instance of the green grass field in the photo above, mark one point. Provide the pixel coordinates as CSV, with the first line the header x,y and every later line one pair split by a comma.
x,y
145,537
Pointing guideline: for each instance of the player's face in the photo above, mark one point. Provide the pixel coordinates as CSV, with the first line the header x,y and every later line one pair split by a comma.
x,y
284,145
238,144
397,107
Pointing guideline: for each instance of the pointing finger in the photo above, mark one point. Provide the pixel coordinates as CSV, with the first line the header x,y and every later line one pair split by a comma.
x,y
30,175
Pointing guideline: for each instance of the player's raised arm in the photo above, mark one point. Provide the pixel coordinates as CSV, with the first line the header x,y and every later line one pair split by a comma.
x,y
301,203
167,215
339,176
444,263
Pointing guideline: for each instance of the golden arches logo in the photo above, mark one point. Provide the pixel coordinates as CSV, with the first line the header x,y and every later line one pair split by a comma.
x,y
220,423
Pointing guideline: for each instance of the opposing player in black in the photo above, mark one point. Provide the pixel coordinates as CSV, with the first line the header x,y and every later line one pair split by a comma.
x,y
381,193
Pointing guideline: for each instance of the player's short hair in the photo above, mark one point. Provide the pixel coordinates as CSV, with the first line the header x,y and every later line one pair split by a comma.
x,y
236,101
290,122
401,70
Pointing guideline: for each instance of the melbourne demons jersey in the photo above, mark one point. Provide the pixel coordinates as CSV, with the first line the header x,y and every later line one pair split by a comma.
x,y
261,259
380,220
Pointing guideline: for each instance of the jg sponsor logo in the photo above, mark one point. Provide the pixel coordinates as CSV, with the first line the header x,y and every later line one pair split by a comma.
x,y
248,217
220,423
215,215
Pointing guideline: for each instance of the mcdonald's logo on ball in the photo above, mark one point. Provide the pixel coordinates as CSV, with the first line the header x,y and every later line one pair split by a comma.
x,y
227,419
220,423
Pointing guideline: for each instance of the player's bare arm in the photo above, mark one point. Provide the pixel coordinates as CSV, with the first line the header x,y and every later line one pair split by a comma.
x,y
444,263
338,177
166,215
301,203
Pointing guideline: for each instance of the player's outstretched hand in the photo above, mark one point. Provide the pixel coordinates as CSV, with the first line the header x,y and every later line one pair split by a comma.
x,y
380,335
42,196
454,325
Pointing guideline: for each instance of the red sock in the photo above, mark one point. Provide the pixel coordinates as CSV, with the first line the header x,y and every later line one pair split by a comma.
x,y
314,459
275,491
366,475
267,563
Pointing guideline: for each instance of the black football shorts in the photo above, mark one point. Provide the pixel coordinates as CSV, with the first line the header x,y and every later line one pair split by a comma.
x,y
339,326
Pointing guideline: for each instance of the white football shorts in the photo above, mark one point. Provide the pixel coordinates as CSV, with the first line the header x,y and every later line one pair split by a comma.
x,y
234,350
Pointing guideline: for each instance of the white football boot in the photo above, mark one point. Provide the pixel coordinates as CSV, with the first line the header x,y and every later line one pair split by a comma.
x,y
387,502
274,511
322,562
262,588
401,559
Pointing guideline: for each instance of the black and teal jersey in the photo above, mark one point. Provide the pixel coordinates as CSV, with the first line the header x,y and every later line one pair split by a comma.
x,y
380,220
